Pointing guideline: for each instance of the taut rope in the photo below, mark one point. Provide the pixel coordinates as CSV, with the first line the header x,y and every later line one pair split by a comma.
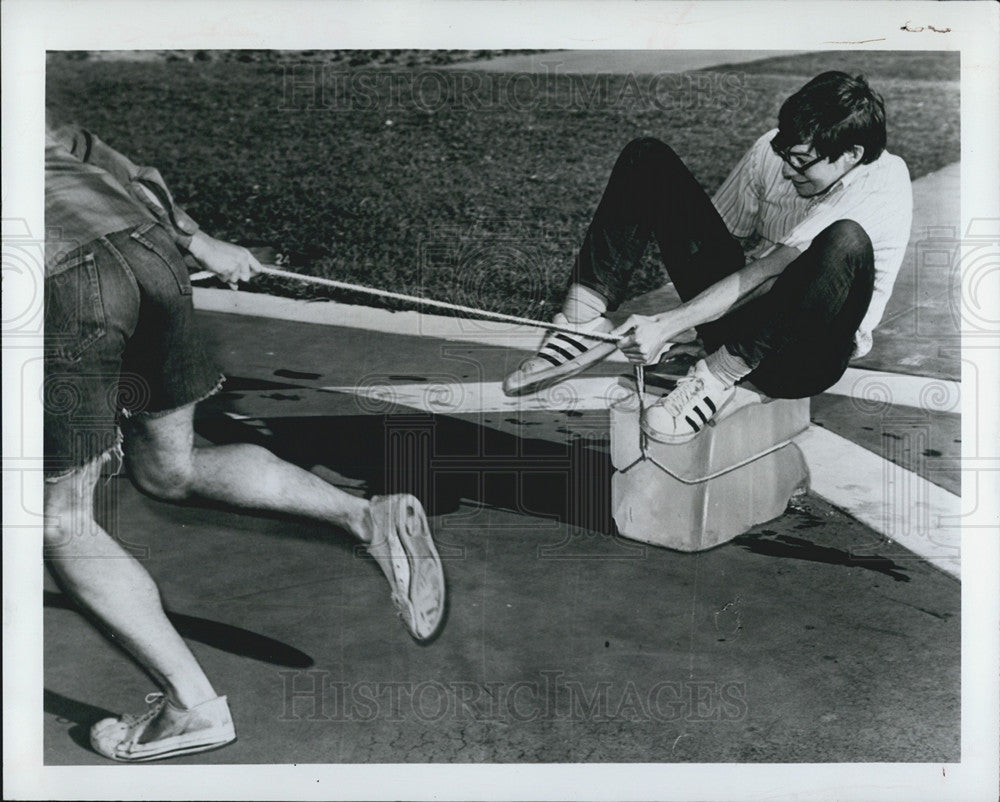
x,y
468,310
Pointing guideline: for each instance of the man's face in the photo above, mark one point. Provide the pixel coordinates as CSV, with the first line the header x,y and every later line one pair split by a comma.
x,y
811,175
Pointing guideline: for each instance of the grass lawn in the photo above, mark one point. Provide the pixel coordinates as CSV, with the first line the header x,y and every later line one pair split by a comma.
x,y
473,188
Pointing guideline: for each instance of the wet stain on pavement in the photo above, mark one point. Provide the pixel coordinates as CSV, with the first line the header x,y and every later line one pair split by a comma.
x,y
772,544
807,519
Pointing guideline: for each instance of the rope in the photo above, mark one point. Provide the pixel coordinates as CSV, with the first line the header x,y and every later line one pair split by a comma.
x,y
468,310
640,389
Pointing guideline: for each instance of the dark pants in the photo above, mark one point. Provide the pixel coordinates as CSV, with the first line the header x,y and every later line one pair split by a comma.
x,y
798,337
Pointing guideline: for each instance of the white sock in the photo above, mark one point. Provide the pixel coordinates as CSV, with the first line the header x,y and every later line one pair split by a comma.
x,y
726,367
583,304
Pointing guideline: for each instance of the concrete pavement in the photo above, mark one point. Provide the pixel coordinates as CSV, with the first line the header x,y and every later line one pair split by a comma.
x,y
810,638
814,637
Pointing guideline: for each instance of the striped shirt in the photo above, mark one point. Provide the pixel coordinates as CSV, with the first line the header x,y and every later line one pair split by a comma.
x,y
92,190
763,209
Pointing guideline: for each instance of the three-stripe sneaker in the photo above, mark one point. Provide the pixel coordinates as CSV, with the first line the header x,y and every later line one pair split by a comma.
x,y
687,409
561,356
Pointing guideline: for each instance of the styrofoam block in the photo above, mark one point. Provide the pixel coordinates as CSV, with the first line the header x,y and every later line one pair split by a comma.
x,y
651,506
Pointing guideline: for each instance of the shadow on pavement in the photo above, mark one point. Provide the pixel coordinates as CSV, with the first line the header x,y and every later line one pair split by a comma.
x,y
82,715
228,638
443,460
775,545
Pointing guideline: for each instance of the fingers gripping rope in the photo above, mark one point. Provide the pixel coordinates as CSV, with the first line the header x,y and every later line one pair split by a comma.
x,y
398,296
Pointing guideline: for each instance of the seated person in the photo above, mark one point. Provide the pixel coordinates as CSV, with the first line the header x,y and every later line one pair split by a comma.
x,y
783,274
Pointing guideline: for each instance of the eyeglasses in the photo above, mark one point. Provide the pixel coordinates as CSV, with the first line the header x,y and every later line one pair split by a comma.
x,y
797,165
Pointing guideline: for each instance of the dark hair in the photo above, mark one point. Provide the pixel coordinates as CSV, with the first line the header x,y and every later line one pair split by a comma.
x,y
833,113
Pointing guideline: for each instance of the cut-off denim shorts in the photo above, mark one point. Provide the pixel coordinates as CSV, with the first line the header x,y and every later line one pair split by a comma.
x,y
120,340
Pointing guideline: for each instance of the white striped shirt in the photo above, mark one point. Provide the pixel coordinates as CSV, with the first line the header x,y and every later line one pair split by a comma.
x,y
756,203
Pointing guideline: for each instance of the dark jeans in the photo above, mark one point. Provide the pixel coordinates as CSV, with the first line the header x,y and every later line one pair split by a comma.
x,y
798,337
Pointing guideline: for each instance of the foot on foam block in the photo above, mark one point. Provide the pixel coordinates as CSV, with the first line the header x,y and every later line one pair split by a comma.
x,y
679,416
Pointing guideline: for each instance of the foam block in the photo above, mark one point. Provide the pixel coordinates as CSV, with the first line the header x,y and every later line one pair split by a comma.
x,y
740,471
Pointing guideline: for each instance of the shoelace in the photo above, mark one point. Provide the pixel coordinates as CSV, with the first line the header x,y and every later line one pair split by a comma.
x,y
155,700
686,389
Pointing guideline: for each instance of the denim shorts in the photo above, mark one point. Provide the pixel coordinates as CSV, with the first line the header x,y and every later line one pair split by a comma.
x,y
120,340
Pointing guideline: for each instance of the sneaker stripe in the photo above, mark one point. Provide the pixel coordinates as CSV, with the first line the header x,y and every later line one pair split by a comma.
x,y
566,338
701,415
692,424
549,358
711,406
566,355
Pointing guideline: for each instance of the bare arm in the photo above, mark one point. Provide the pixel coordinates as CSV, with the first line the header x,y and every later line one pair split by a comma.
x,y
644,337
733,291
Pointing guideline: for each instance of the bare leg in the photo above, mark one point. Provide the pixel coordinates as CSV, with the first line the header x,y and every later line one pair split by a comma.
x,y
164,462
100,575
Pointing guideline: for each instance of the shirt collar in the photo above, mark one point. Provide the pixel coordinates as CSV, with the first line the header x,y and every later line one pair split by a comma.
x,y
856,174
842,183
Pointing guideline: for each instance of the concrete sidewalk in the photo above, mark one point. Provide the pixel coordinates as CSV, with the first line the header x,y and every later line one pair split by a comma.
x,y
920,332
810,638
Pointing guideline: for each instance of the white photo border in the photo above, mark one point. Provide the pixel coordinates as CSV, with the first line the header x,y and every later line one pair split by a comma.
x,y
32,28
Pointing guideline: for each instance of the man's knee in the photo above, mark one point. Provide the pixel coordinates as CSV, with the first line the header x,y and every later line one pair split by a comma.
x,y
648,150
841,252
844,238
159,451
168,479
69,504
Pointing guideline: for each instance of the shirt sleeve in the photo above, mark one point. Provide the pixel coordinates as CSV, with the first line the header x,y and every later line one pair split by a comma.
x,y
144,185
738,199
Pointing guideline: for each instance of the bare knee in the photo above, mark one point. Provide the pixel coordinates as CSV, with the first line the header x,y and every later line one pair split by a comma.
x,y
170,479
159,452
63,526
69,505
